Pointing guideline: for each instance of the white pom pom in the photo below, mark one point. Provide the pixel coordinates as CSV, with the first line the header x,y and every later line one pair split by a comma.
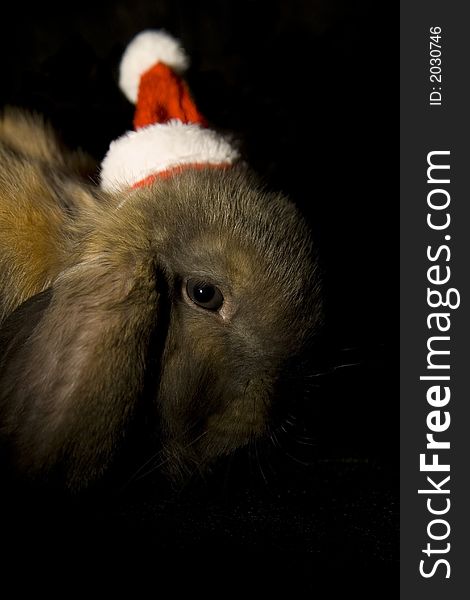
x,y
144,51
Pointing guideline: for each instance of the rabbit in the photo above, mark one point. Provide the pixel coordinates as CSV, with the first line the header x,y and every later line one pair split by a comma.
x,y
176,307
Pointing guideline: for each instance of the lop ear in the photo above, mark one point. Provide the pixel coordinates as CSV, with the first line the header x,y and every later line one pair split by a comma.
x,y
73,367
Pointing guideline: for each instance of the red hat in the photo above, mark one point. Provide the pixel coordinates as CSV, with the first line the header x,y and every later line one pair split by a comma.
x,y
170,133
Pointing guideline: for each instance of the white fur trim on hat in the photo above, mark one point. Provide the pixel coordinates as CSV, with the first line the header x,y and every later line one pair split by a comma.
x,y
145,50
139,154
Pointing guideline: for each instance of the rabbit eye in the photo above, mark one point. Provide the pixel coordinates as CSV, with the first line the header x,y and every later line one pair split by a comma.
x,y
204,294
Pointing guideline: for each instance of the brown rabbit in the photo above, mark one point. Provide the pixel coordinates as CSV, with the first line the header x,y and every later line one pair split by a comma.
x,y
185,299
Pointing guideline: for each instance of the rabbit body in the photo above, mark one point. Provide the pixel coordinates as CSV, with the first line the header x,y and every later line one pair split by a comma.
x,y
97,322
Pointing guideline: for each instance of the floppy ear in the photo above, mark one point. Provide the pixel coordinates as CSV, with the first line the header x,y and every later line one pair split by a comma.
x,y
73,366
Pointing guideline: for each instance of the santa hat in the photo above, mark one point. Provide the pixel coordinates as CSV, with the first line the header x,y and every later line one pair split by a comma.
x,y
170,133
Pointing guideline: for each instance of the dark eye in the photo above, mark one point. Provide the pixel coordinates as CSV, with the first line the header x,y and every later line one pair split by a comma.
x,y
204,294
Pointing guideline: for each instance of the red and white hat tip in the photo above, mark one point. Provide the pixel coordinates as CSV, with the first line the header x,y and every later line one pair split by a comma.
x,y
170,132
145,50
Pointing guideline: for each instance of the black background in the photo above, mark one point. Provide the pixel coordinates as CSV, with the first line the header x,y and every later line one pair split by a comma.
x,y
310,88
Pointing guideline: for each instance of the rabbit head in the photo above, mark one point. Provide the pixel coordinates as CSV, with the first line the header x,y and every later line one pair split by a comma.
x,y
189,296
239,268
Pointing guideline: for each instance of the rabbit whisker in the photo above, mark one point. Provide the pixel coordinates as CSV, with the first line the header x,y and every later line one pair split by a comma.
x,y
167,450
356,364
275,440
277,444
259,463
154,456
